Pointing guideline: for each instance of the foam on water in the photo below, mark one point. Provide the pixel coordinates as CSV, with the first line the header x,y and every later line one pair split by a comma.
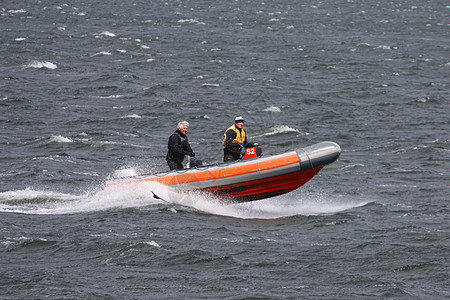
x,y
288,205
60,139
191,21
102,53
40,64
272,108
108,97
106,33
132,116
16,11
280,129
126,172
30,201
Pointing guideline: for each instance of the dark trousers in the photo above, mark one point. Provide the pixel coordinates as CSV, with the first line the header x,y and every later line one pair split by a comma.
x,y
230,156
174,165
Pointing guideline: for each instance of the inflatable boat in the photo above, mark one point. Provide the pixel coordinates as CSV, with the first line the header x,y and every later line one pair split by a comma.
x,y
249,179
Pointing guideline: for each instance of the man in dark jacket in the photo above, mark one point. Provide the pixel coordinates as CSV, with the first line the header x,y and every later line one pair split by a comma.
x,y
178,147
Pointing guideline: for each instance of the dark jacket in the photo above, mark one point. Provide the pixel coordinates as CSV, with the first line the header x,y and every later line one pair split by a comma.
x,y
178,147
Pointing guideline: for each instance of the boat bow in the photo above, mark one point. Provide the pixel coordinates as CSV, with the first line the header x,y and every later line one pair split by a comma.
x,y
318,155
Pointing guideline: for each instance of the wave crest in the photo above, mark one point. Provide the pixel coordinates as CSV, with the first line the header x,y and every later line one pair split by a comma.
x,y
40,64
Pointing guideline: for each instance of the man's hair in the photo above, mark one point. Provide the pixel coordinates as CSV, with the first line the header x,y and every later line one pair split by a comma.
x,y
183,123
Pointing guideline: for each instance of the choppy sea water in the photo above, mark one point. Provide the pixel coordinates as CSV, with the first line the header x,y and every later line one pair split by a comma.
x,y
90,92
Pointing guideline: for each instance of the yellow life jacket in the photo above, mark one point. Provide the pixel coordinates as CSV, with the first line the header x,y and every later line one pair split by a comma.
x,y
240,135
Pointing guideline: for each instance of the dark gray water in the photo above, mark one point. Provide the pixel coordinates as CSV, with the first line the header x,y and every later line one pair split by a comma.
x,y
91,90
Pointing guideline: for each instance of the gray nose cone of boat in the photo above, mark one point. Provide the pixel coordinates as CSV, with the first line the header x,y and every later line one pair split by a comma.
x,y
318,155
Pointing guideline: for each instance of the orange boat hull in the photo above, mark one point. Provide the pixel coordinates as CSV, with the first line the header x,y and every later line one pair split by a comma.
x,y
251,179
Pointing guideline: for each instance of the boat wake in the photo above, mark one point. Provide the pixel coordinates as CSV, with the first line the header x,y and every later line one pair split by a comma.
x,y
288,205
31,201
152,194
